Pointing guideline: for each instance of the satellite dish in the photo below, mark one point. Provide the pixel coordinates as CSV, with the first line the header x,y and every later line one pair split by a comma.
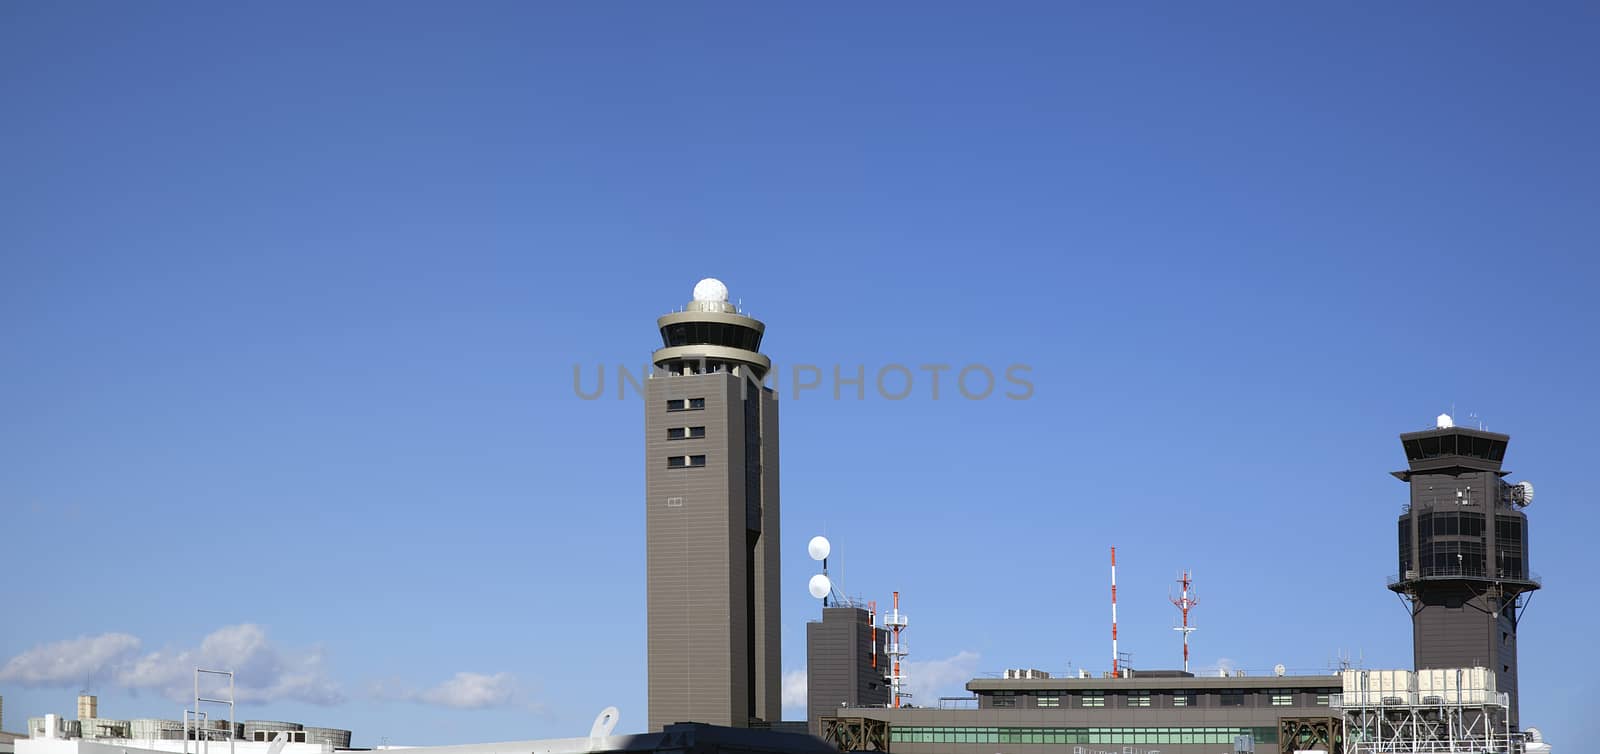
x,y
1445,422
819,548
820,586
1522,494
1278,670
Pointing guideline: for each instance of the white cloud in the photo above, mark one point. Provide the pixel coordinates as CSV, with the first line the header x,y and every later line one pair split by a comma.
x,y
1223,666
472,691
463,691
794,690
931,679
72,662
263,671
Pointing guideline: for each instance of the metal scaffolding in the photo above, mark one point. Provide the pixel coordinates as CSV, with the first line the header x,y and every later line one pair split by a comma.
x,y
1408,722
856,733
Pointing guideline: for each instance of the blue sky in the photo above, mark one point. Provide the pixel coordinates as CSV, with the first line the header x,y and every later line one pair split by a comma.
x,y
291,298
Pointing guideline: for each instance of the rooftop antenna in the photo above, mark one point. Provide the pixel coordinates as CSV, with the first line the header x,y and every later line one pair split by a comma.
x,y
1185,602
896,622
820,585
872,620
1345,663
1116,665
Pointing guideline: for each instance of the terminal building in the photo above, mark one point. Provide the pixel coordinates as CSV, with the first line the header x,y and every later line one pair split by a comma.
x,y
1169,711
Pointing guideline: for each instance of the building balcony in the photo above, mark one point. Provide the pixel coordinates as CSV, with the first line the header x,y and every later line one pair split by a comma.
x,y
1399,581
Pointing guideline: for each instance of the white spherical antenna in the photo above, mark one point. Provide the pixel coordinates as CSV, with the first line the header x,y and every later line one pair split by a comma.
x,y
711,290
820,586
1522,494
819,548
1278,670
1443,422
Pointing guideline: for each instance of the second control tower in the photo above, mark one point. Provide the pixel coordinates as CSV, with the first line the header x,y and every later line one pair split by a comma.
x,y
1464,552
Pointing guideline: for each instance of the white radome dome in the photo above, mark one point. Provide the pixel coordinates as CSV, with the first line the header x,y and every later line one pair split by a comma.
x,y
711,290
819,586
819,548
1443,422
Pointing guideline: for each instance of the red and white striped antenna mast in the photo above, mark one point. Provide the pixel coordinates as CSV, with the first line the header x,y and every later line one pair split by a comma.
x,y
1185,602
896,622
1115,665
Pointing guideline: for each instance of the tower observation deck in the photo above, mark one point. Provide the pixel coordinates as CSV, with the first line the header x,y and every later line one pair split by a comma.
x,y
1463,552
710,335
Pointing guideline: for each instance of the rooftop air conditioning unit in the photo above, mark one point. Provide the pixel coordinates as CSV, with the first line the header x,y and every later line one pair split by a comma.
x,y
1020,674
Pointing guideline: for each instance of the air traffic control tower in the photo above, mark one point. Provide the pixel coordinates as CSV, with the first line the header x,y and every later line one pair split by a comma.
x,y
1464,552
711,521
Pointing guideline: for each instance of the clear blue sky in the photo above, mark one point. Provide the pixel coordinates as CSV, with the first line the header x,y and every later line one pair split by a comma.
x,y
291,296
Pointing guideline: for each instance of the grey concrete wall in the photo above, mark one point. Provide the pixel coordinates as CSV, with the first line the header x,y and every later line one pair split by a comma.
x,y
769,574
712,607
839,665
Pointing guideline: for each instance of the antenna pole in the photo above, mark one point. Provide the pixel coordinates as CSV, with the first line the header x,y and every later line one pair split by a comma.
x,y
1185,603
872,620
897,655
896,622
1116,670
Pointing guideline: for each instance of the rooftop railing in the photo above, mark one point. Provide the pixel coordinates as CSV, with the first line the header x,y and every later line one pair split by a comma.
x,y
1439,698
1422,574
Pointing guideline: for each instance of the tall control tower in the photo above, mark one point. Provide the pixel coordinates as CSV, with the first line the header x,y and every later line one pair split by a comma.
x,y
1464,552
711,521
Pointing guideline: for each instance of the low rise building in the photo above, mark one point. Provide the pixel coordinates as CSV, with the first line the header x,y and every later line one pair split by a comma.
x,y
1168,711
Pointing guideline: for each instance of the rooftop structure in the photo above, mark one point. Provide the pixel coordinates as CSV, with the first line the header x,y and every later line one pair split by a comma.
x,y
1425,712
845,664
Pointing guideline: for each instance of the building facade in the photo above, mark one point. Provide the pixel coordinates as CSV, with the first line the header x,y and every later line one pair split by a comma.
x,y
845,664
1168,711
712,535
1463,552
